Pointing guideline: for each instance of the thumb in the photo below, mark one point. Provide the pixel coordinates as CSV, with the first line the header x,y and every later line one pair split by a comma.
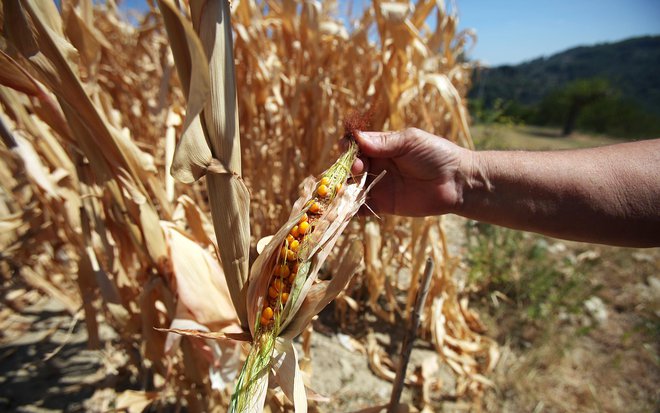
x,y
381,144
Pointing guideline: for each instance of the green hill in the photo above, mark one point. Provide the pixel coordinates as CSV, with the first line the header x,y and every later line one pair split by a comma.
x,y
622,80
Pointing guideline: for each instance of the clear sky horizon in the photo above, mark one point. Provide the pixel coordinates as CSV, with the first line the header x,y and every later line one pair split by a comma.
x,y
514,31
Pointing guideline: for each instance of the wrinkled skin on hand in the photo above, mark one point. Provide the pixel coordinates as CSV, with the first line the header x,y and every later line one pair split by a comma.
x,y
422,172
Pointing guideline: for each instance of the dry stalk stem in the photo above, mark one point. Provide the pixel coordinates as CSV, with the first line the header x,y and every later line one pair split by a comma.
x,y
411,333
210,144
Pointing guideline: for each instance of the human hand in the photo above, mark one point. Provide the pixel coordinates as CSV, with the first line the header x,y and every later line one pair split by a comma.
x,y
423,176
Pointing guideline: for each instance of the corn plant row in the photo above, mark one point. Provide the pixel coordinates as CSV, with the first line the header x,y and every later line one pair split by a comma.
x,y
96,112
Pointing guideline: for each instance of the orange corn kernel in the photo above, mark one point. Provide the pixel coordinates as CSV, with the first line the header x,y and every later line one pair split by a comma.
x,y
290,255
277,285
294,231
315,208
322,191
267,313
272,292
303,228
295,245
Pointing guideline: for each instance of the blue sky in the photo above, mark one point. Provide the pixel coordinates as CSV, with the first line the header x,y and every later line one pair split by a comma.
x,y
513,31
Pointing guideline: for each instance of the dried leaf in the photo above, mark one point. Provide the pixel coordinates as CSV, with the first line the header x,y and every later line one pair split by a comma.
x,y
199,280
33,166
207,334
322,293
135,401
288,375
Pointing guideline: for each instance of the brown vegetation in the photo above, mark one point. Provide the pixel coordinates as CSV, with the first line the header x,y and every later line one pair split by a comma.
x,y
91,113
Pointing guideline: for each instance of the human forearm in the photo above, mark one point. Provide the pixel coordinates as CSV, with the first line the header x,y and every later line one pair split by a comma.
x,y
607,195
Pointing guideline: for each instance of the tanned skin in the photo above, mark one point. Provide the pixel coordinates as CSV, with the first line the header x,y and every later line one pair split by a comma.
x,y
607,195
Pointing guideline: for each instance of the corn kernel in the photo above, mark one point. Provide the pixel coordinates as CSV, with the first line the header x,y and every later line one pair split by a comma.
x,y
303,228
325,181
289,239
290,255
294,231
304,217
315,208
322,191
277,285
283,253
292,278
264,321
267,313
295,245
283,270
285,296
272,292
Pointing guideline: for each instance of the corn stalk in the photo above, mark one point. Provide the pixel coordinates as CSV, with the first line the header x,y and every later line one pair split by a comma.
x,y
210,144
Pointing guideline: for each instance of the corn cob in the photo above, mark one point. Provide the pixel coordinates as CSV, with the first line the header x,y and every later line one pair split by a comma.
x,y
288,275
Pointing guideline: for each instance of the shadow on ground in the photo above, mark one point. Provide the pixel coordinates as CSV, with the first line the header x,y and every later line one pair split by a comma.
x,y
32,378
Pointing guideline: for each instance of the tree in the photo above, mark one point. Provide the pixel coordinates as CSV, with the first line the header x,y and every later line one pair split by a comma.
x,y
577,95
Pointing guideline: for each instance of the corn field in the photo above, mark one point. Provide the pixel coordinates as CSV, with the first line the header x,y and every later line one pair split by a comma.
x,y
142,163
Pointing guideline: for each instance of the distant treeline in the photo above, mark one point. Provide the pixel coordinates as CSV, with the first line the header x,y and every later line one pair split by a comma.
x,y
612,89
